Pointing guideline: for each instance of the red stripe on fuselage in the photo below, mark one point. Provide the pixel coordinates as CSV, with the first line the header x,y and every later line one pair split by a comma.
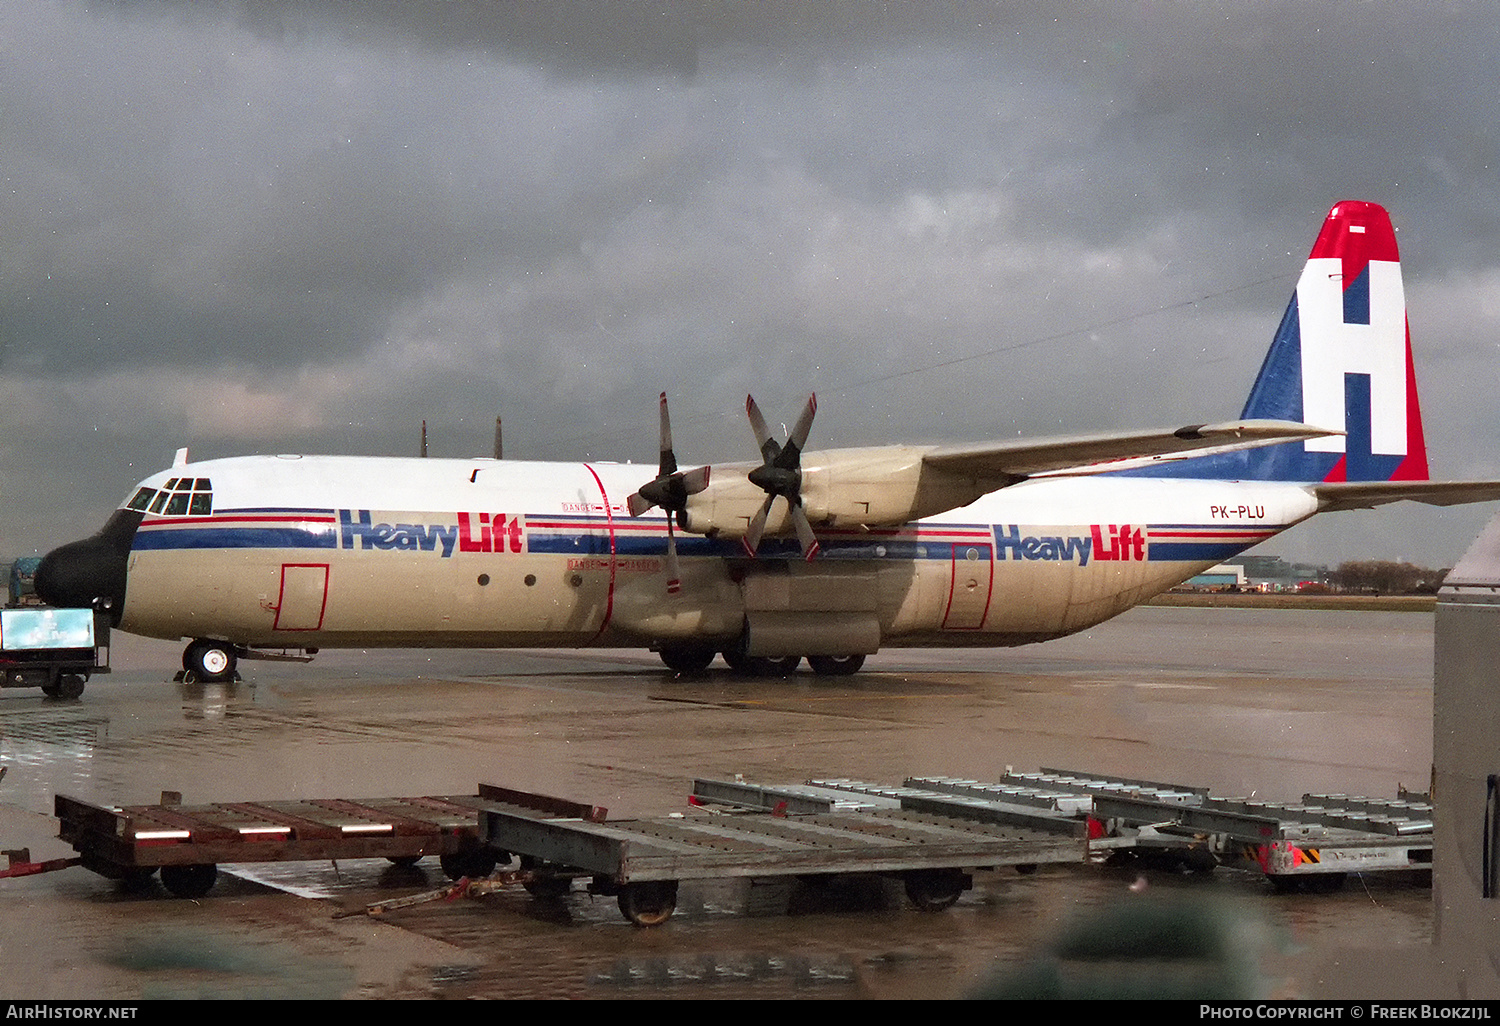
x,y
609,519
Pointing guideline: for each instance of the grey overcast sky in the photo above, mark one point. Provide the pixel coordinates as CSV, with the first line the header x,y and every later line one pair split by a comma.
x,y
263,227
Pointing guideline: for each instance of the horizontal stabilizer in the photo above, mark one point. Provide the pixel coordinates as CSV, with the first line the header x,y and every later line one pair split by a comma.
x,y
1010,461
1337,495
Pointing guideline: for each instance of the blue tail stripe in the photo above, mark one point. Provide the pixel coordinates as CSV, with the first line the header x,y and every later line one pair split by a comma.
x,y
1357,299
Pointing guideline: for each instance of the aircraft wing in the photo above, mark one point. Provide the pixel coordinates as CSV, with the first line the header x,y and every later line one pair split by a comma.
x,y
1007,462
1337,495
895,484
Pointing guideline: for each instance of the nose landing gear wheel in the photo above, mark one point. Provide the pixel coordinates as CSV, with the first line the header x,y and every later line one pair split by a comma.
x,y
209,661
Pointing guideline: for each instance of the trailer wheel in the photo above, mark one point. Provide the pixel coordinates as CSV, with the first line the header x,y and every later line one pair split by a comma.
x,y
687,658
67,687
189,881
650,903
1199,861
548,888
1324,883
933,890
476,864
209,661
835,666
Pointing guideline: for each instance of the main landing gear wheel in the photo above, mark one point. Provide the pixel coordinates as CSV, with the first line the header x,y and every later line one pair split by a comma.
x,y
759,666
686,658
835,666
209,661
189,881
650,903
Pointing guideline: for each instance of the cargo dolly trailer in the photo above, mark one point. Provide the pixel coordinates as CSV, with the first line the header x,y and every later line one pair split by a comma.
x,y
777,833
187,843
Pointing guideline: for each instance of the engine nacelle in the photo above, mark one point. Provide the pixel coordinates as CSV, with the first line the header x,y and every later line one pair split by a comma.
x,y
881,486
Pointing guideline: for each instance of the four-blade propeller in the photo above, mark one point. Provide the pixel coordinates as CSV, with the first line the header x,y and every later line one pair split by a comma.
x,y
669,492
780,476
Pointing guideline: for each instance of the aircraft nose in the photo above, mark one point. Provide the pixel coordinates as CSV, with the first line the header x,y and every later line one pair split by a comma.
x,y
78,573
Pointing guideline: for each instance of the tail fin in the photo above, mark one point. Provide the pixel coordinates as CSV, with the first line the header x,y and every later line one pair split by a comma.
x,y
1342,360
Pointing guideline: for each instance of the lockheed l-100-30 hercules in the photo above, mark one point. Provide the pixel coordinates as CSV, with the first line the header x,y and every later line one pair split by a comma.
x,y
826,556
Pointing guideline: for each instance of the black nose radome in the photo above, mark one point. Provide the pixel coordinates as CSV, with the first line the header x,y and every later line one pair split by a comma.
x,y
80,573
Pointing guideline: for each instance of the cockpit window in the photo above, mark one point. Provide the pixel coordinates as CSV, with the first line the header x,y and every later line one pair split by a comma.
x,y
182,496
142,499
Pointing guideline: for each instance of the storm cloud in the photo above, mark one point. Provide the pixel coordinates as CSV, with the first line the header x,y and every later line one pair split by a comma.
x,y
253,227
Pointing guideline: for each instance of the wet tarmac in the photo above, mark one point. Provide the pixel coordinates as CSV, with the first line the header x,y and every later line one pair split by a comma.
x,y
1272,702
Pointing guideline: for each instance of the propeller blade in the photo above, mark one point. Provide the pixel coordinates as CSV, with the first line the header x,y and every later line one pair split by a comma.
x,y
799,434
694,481
757,527
805,534
674,569
668,464
769,447
638,504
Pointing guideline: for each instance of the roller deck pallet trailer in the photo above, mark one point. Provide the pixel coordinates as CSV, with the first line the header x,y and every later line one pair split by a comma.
x,y
1310,845
931,848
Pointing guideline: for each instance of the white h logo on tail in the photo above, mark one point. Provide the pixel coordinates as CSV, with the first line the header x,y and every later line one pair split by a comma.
x,y
1332,348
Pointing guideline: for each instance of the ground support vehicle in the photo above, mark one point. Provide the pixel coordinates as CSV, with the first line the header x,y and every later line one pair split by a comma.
x,y
57,650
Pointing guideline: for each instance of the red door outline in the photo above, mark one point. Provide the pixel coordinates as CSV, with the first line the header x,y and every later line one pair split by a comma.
x,y
963,603
309,583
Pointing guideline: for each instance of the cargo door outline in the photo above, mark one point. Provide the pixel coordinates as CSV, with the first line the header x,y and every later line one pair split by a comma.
x,y
304,597
970,586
